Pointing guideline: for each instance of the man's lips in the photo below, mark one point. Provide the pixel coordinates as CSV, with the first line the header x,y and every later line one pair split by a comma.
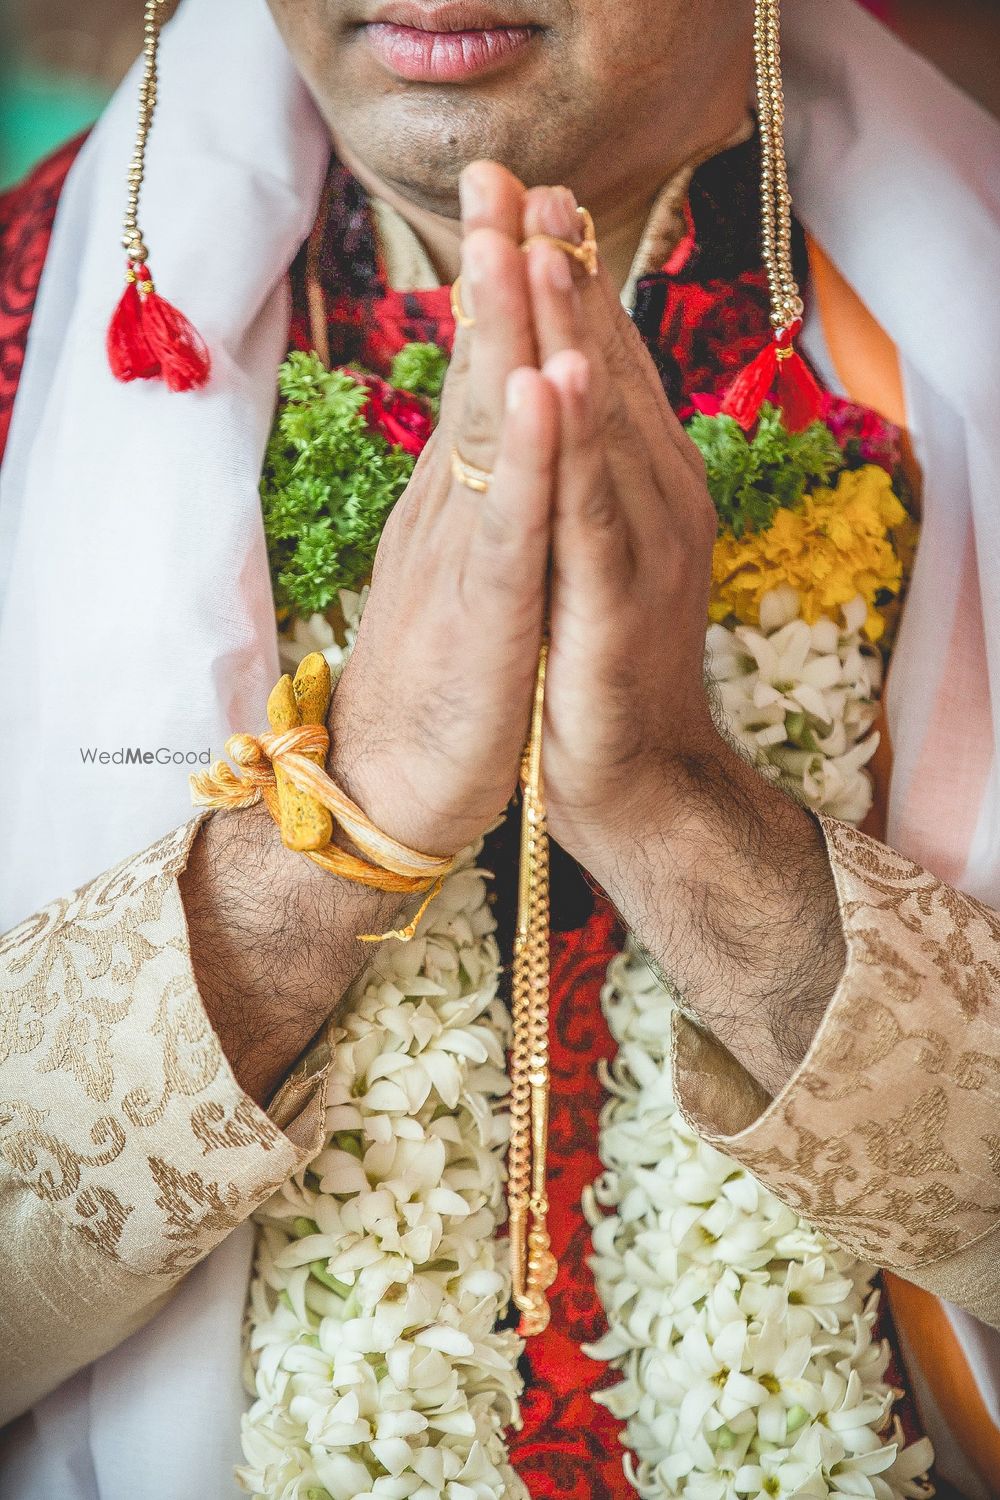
x,y
447,43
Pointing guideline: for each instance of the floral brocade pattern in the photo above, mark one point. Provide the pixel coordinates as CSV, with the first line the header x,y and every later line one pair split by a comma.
x,y
901,1176
119,1108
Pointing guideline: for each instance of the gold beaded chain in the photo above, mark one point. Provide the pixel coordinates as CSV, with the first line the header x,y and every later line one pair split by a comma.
x,y
132,241
533,1266
776,200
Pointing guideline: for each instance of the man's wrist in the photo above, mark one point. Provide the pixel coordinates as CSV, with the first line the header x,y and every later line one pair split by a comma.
x,y
274,942
727,884
664,802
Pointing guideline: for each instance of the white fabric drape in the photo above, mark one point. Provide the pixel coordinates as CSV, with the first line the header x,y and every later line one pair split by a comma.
x,y
136,601
136,607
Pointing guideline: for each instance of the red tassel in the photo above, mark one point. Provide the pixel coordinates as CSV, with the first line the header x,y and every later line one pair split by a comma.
x,y
780,372
129,354
148,338
178,346
797,393
751,388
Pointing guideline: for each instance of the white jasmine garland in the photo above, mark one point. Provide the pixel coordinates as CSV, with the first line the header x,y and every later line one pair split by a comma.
x,y
374,1354
317,634
744,1338
802,700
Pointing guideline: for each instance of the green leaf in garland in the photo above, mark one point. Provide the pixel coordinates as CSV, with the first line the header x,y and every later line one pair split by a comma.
x,y
750,478
420,369
327,487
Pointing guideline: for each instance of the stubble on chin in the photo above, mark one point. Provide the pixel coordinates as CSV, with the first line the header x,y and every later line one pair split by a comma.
x,y
419,141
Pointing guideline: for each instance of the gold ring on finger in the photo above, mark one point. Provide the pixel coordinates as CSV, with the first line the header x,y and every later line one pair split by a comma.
x,y
458,312
585,252
471,478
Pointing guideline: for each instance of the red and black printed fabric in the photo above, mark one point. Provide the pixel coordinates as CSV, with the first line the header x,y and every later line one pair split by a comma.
x,y
27,213
703,317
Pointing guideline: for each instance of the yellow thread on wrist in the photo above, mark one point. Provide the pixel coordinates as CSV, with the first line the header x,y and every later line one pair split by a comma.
x,y
284,769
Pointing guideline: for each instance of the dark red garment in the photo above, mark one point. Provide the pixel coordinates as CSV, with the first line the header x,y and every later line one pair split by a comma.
x,y
703,316
568,1445
26,216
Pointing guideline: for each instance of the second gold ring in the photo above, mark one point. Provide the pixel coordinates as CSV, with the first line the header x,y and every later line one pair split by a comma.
x,y
458,312
467,475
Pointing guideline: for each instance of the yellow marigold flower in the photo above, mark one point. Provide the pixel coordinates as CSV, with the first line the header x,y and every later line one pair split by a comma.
x,y
838,545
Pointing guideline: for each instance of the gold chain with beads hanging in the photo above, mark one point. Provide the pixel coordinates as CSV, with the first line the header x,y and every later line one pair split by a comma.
x,y
533,1267
776,200
132,240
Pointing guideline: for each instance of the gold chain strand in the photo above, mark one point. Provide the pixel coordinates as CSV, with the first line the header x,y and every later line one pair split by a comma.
x,y
533,1267
132,240
776,199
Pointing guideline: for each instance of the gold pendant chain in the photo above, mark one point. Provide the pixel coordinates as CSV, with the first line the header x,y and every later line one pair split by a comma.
x,y
533,1267
132,241
776,200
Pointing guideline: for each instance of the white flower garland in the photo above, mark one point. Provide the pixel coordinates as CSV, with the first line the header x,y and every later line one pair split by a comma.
x,y
317,634
744,1338
380,1279
802,700
374,1354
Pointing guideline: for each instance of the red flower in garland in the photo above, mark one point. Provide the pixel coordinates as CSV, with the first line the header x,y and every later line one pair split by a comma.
x,y
877,440
399,417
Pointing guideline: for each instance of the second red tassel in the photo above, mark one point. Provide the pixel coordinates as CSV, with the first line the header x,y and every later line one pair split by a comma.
x,y
150,339
779,373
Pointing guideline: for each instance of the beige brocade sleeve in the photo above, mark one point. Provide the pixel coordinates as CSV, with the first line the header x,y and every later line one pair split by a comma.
x,y
128,1150
888,1136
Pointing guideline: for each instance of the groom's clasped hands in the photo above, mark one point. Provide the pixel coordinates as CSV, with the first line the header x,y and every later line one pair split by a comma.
x,y
595,524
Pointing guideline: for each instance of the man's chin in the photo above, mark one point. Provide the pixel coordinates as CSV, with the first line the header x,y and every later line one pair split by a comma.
x,y
418,142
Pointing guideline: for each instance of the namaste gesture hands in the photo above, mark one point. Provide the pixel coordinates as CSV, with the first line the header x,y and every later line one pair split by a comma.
x,y
551,391
597,514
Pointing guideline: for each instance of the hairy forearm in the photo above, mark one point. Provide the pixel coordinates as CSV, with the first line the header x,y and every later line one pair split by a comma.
x,y
274,942
729,889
